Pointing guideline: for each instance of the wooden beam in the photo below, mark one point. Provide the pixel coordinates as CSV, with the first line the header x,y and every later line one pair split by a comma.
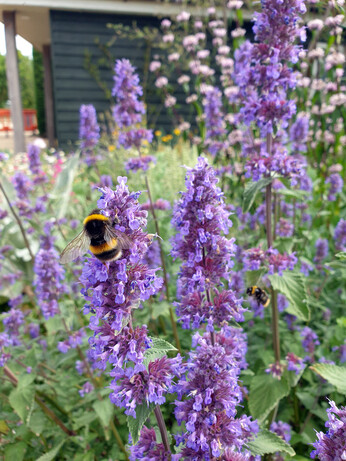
x,y
48,96
12,73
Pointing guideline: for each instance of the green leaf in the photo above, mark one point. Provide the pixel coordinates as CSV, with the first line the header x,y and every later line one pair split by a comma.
x,y
15,451
104,409
251,191
265,393
333,374
159,348
268,442
51,454
292,285
135,424
161,308
253,277
299,194
63,186
341,255
21,401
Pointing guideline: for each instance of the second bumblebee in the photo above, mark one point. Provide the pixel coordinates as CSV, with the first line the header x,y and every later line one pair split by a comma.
x,y
259,294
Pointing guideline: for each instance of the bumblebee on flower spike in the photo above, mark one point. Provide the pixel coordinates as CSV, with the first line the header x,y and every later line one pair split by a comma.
x,y
100,237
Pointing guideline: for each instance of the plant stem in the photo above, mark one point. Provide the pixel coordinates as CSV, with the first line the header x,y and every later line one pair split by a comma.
x,y
19,222
275,312
165,279
51,415
163,430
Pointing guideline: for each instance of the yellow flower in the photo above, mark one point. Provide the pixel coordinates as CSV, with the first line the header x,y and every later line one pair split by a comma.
x,y
111,148
167,138
177,132
145,142
157,133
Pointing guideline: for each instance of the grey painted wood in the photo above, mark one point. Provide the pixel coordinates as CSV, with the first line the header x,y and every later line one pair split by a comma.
x,y
13,84
72,35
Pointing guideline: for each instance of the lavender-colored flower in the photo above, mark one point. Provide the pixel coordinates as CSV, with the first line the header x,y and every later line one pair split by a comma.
x,y
74,340
5,342
200,217
282,302
49,275
321,250
159,204
336,184
22,184
340,235
139,163
89,132
128,111
331,445
282,429
130,389
309,341
210,407
306,268
86,389
148,449
254,258
34,330
276,369
106,181
113,292
284,228
12,321
294,363
152,257
299,133
34,159
278,262
214,120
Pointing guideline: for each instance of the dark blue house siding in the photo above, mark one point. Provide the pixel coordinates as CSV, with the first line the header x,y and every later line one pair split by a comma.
x,y
73,33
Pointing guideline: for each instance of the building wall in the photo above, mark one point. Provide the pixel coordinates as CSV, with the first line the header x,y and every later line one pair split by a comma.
x,y
72,34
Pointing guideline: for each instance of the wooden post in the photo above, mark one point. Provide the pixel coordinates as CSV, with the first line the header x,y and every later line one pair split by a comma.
x,y
48,95
13,84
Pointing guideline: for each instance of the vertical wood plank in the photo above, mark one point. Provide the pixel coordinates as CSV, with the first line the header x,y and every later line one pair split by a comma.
x,y
12,73
48,95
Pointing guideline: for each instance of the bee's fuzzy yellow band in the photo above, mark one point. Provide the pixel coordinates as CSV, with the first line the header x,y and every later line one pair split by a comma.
x,y
266,303
98,249
253,290
98,217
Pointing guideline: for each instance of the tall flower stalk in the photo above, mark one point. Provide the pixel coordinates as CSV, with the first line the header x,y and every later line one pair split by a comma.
x,y
128,113
264,78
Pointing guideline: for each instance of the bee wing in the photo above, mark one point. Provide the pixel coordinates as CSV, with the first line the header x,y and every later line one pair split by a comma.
x,y
77,247
124,242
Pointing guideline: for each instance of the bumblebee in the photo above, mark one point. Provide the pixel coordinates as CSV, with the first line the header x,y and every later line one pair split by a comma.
x,y
259,294
98,236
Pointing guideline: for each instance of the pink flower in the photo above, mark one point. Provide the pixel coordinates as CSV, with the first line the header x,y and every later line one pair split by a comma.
x,y
183,16
170,101
161,82
154,65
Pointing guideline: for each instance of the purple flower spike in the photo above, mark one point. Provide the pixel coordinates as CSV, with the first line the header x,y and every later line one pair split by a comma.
x,y
49,275
331,445
129,110
89,132
340,235
148,449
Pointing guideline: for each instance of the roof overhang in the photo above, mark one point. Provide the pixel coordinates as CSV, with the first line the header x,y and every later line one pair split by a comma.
x,y
32,16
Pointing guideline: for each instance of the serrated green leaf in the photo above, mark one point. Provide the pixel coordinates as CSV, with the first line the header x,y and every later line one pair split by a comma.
x,y
104,409
84,420
21,401
51,454
251,190
265,393
253,277
135,424
292,285
333,374
159,348
341,255
15,451
161,308
269,442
